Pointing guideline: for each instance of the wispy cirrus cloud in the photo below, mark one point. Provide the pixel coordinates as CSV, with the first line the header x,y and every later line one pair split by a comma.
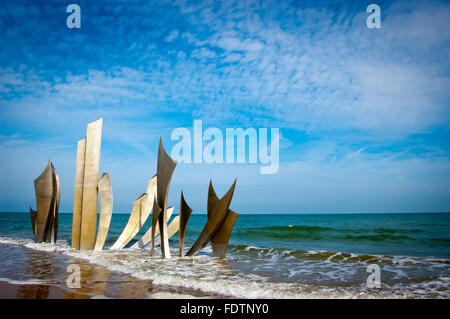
x,y
338,90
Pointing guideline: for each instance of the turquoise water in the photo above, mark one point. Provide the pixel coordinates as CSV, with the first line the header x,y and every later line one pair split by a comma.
x,y
292,254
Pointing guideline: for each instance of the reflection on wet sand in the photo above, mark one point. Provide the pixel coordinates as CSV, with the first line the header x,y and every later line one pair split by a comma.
x,y
45,276
96,280
36,291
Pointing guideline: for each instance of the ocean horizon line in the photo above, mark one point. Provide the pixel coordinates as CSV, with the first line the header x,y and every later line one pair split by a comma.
x,y
302,213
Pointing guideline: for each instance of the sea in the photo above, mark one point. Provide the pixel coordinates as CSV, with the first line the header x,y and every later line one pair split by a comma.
x,y
269,256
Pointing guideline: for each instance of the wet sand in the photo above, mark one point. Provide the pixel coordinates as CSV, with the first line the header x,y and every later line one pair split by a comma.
x,y
46,273
41,291
37,291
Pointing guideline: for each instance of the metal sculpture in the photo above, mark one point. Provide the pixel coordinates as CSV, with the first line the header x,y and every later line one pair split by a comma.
x,y
45,219
90,179
147,237
78,194
136,213
106,207
138,217
33,214
219,242
155,221
215,220
165,167
172,229
84,223
185,213
88,189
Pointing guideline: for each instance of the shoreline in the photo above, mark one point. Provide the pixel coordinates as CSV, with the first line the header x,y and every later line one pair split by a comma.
x,y
96,282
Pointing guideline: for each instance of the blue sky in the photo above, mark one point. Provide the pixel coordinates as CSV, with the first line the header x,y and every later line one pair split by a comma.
x,y
363,113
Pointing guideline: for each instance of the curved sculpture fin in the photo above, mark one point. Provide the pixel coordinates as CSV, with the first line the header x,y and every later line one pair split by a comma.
x,y
212,198
133,221
215,220
55,209
43,187
147,237
33,221
219,242
172,229
185,213
165,167
106,208
155,219
138,217
78,194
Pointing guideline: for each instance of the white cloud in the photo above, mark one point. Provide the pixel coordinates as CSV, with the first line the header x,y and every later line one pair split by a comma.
x,y
241,64
172,36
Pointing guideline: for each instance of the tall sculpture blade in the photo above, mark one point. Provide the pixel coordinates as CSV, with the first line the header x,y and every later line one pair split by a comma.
x,y
57,186
212,198
165,167
135,216
172,228
151,191
106,207
52,221
147,237
43,187
220,240
78,194
138,217
164,234
185,213
155,219
33,221
215,220
90,195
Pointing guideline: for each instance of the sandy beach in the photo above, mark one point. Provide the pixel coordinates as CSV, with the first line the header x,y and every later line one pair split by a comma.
x,y
37,291
46,279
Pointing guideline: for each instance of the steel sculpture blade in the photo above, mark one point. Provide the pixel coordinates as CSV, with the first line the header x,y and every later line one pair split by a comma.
x,y
44,220
56,209
146,209
138,217
185,213
33,221
155,220
43,187
212,198
215,220
165,167
90,192
151,191
78,194
52,227
147,237
172,229
106,208
135,215
219,242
